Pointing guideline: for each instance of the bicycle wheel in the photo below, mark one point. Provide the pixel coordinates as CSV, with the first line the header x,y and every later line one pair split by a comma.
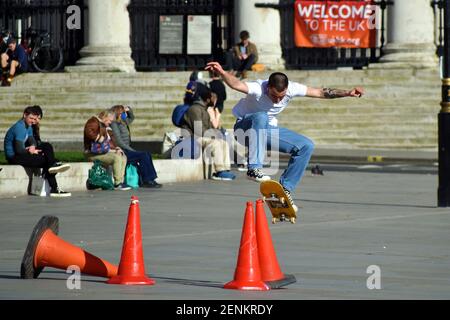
x,y
47,59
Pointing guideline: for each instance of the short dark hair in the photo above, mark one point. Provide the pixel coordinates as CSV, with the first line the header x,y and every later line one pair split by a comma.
x,y
39,111
205,93
244,35
34,110
279,81
10,40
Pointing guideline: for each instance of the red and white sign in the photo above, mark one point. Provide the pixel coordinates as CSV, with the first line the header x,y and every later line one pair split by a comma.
x,y
345,24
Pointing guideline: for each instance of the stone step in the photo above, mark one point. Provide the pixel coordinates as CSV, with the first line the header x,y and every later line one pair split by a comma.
x,y
327,78
366,129
175,96
68,87
424,124
329,141
299,104
399,110
304,106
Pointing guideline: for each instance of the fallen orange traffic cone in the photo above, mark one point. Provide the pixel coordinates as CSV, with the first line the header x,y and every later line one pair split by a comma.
x,y
248,275
46,249
131,267
270,268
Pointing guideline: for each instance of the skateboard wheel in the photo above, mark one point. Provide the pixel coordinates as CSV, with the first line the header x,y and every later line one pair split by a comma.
x,y
293,220
282,200
264,199
274,220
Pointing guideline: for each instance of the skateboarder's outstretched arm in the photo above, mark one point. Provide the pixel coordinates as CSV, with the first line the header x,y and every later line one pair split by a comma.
x,y
329,93
229,79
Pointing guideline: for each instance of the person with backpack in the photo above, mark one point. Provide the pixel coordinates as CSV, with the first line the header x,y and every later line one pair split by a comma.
x,y
123,117
202,121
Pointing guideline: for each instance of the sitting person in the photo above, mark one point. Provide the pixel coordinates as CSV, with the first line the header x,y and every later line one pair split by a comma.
x,y
244,55
14,61
97,132
124,116
217,87
202,111
22,149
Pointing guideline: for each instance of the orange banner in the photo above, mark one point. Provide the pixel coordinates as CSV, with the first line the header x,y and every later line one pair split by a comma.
x,y
345,24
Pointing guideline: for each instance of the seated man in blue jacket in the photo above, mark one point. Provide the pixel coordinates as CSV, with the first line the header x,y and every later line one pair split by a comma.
x,y
14,61
21,149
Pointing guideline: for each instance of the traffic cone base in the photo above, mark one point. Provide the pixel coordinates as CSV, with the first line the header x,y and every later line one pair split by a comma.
x,y
271,272
130,280
285,281
46,249
247,285
27,268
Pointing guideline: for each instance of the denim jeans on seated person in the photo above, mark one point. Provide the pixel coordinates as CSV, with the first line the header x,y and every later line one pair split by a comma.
x,y
298,146
144,163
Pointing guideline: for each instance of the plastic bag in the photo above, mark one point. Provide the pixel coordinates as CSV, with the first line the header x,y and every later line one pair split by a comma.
x,y
99,178
132,176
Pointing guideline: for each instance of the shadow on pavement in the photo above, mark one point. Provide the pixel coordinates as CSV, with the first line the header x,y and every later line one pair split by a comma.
x,y
190,282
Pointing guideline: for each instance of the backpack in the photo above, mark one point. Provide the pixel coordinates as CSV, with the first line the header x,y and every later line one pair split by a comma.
x,y
190,96
178,114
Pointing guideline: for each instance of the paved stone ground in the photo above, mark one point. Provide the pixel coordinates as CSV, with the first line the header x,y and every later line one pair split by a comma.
x,y
350,220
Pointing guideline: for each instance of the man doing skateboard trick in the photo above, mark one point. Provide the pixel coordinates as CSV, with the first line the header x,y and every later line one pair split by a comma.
x,y
258,111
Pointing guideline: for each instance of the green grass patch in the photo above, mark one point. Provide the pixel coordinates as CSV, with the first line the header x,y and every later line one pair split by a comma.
x,y
69,156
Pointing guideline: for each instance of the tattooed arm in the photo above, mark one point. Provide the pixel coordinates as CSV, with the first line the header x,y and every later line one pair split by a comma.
x,y
329,93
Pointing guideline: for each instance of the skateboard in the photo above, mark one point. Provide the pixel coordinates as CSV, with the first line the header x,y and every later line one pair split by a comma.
x,y
277,200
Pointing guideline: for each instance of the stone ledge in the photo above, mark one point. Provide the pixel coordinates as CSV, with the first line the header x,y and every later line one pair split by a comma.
x,y
14,180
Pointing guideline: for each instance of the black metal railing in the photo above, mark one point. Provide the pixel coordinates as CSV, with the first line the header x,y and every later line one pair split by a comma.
x,y
50,15
326,58
145,23
438,11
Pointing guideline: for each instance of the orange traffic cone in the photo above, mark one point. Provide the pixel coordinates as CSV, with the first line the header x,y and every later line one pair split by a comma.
x,y
270,269
46,249
131,267
248,275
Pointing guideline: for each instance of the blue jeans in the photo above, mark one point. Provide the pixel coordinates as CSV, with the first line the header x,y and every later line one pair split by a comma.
x,y
144,164
298,146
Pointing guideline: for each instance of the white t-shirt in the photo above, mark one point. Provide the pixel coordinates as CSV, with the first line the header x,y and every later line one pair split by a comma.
x,y
257,100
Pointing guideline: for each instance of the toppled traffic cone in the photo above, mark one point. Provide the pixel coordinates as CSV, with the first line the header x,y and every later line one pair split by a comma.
x,y
270,269
131,267
46,249
248,275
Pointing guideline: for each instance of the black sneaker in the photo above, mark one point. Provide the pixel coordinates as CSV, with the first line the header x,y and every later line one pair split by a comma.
x,y
289,196
257,175
58,167
58,193
151,184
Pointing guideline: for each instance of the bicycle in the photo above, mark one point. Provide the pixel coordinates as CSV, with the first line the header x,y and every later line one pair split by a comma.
x,y
42,55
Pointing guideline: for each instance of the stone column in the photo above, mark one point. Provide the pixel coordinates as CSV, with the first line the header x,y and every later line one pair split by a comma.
x,y
263,24
108,47
410,39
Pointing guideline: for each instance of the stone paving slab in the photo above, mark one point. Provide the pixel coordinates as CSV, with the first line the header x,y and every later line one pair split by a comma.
x,y
191,232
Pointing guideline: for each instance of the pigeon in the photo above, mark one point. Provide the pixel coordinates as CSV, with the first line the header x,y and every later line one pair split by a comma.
x,y
317,171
